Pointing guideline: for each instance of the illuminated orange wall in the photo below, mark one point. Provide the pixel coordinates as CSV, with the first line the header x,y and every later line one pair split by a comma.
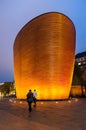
x,y
44,53
76,90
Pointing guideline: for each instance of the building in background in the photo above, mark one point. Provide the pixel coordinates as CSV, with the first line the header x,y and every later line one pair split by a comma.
x,y
79,77
80,60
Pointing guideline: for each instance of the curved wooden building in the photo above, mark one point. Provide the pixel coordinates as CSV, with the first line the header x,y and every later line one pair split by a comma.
x,y
44,53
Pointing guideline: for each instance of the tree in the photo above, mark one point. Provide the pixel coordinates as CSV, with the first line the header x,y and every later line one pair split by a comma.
x,y
6,88
78,79
77,76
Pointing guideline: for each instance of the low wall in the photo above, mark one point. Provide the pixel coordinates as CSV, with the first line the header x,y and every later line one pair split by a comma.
x,y
78,90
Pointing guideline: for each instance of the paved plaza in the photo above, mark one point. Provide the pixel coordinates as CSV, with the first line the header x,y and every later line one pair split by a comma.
x,y
48,115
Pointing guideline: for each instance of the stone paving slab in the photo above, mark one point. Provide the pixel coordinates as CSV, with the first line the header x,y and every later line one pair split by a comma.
x,y
50,115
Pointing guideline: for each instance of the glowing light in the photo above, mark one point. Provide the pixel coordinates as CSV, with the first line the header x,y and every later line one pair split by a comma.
x,y
44,52
14,101
20,102
69,101
79,63
76,99
10,100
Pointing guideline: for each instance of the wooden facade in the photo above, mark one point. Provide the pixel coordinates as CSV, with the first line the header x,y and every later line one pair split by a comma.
x,y
44,53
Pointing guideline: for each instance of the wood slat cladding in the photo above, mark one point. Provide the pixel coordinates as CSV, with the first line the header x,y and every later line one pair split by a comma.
x,y
44,53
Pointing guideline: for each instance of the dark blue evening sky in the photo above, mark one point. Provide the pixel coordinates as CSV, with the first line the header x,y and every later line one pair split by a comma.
x,y
14,14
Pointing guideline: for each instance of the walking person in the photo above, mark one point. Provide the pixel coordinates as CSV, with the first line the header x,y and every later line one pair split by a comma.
x,y
34,97
30,100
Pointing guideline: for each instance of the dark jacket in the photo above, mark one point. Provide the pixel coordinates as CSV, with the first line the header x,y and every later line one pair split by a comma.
x,y
30,97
